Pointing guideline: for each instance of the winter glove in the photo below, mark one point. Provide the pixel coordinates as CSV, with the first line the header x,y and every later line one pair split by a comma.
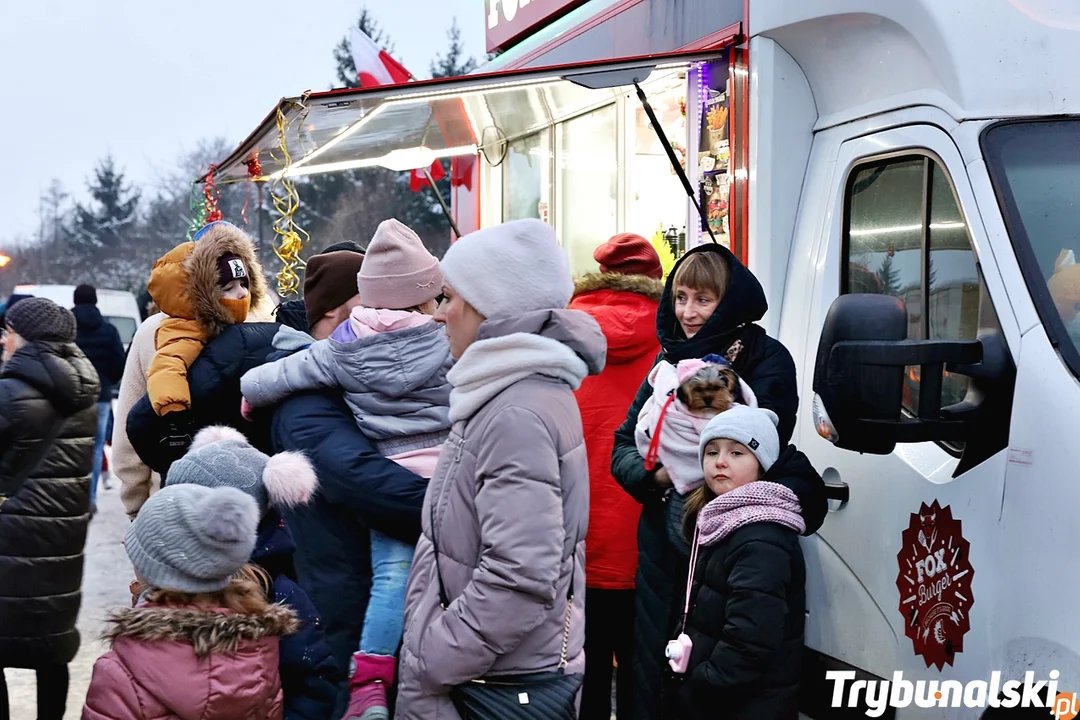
x,y
177,438
246,411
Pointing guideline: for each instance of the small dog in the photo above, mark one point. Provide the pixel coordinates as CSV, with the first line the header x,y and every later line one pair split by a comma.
x,y
709,391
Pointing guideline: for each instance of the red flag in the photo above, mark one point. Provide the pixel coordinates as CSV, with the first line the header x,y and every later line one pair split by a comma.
x,y
461,171
417,181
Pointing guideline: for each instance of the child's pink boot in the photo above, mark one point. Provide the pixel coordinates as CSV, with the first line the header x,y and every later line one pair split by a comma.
x,y
372,677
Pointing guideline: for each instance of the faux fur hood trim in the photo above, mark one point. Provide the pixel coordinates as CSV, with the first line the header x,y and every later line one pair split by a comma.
x,y
207,631
640,284
184,285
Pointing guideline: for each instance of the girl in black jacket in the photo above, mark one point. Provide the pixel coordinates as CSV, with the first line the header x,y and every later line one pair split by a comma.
x,y
711,304
741,640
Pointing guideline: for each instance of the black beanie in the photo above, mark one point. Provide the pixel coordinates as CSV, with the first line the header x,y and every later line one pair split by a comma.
x,y
85,295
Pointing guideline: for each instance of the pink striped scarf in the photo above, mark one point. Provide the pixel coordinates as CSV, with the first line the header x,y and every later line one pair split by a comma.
x,y
752,503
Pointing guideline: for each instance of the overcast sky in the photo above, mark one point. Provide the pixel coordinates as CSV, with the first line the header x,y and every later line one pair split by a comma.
x,y
146,80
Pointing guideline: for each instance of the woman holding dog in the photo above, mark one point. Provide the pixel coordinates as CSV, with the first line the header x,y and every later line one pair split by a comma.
x,y
710,305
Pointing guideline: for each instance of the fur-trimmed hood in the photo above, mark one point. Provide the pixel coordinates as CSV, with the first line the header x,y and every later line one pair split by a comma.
x,y
647,286
625,306
207,631
172,663
183,283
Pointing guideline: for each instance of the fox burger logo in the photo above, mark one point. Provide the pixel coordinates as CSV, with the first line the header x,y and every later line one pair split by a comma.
x,y
935,584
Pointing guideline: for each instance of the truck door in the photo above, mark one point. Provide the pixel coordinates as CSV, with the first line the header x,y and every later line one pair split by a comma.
x,y
899,577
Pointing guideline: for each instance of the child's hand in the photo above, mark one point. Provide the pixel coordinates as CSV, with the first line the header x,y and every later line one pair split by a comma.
x,y
246,411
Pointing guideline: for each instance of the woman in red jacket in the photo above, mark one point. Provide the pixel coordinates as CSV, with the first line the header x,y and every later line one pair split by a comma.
x,y
623,298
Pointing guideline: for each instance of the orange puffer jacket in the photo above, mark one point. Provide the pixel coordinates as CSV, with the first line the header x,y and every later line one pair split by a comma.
x,y
184,284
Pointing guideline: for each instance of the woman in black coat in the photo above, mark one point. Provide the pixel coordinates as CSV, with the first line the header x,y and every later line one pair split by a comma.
x,y
710,305
48,392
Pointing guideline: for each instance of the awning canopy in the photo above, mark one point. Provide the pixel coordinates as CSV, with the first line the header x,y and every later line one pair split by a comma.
x,y
409,126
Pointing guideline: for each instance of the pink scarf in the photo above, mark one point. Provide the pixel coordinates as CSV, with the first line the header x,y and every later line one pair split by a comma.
x,y
752,503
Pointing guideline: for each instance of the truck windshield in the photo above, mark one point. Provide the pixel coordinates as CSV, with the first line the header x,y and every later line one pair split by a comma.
x,y
1035,169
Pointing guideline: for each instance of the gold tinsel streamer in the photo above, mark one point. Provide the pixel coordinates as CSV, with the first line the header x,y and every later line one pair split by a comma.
x,y
290,238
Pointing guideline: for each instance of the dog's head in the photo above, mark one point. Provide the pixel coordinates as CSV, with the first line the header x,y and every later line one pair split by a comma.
x,y
709,391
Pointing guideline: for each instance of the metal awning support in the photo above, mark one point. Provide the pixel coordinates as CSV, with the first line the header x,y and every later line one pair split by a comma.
x,y
673,158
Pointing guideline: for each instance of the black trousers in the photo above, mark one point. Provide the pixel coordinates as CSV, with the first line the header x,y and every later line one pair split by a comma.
x,y
52,691
609,631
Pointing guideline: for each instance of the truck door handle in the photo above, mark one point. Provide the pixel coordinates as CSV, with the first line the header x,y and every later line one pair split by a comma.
x,y
836,490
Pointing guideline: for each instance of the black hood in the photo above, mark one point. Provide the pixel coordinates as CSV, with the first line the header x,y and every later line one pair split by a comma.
x,y
87,317
794,471
743,303
59,371
293,313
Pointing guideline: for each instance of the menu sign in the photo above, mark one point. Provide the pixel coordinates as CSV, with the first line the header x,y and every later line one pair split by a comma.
x,y
509,21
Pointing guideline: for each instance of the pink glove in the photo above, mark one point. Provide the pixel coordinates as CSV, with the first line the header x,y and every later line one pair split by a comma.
x,y
246,410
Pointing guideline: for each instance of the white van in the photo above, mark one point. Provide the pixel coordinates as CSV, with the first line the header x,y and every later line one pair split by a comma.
x,y
117,306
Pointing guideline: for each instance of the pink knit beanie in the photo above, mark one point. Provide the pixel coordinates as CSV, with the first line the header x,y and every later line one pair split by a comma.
x,y
398,271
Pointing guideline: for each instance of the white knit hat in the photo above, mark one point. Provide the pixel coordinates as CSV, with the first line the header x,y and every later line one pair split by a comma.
x,y
510,269
753,427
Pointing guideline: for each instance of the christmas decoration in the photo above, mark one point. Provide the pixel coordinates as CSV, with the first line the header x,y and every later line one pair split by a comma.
x,y
291,238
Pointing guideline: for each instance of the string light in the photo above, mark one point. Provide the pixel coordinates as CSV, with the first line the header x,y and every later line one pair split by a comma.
x,y
290,237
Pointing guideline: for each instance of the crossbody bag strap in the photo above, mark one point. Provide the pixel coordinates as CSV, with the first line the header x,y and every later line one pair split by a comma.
x,y
444,601
690,578
569,608
11,488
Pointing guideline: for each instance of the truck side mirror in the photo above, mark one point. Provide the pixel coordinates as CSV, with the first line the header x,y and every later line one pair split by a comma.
x,y
859,377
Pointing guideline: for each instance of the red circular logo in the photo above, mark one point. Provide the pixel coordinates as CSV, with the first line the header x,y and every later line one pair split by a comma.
x,y
935,584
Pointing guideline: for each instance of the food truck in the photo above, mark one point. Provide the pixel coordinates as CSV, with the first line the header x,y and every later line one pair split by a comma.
x,y
902,179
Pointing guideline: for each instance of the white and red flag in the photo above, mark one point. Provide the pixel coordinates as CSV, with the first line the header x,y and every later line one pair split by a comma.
x,y
375,66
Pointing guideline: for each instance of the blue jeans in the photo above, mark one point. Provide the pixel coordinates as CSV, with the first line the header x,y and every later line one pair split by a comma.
x,y
103,409
385,618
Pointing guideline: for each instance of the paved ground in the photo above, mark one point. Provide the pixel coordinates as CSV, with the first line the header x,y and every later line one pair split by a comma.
x,y
105,586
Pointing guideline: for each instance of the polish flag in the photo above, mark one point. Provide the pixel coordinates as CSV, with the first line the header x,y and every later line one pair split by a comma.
x,y
374,66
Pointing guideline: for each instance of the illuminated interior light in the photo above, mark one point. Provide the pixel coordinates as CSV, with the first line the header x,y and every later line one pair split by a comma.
x,y
953,225
398,160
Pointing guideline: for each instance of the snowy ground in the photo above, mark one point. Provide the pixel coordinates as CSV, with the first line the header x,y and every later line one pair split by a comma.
x,y
106,577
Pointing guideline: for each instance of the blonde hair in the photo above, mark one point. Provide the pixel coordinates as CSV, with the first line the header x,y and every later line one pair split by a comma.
x,y
694,502
246,594
703,271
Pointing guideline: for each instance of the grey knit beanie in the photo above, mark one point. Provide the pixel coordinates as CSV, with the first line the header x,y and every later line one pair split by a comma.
x,y
40,319
221,456
753,427
192,538
510,269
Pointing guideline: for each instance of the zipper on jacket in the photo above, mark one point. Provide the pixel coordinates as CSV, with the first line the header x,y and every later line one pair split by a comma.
x,y
446,478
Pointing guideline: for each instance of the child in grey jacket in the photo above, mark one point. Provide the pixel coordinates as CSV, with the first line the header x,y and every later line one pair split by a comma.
x,y
391,360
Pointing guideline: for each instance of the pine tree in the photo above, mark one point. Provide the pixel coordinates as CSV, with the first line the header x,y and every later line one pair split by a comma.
x,y
890,277
453,63
112,213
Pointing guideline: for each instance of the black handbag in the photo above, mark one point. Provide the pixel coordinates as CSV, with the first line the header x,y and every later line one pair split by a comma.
x,y
527,696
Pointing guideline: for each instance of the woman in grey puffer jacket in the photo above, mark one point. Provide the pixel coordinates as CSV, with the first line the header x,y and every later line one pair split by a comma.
x,y
508,506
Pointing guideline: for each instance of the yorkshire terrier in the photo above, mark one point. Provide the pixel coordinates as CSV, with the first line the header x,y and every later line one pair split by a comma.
x,y
711,390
